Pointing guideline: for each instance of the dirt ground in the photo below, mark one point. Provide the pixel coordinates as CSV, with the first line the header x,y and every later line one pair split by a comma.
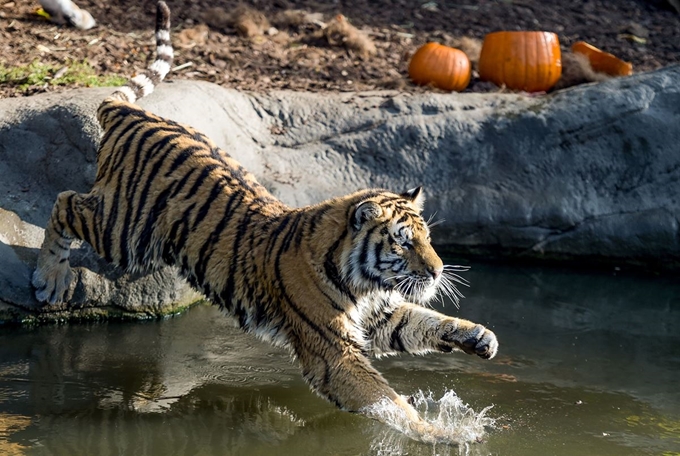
x,y
280,49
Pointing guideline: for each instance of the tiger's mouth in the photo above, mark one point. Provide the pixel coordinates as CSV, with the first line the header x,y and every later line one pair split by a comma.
x,y
422,290
414,288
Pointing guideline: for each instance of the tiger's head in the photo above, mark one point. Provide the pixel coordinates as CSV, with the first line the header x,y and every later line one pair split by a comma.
x,y
391,250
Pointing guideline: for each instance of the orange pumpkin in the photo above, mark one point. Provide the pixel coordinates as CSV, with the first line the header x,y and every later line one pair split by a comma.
x,y
529,61
444,67
603,62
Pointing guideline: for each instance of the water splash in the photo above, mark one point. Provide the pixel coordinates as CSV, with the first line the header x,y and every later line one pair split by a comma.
x,y
450,421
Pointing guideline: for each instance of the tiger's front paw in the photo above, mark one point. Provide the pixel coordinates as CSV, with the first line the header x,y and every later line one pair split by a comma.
x,y
51,284
471,338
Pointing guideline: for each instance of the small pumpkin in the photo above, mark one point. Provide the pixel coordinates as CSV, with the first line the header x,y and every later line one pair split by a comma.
x,y
603,62
529,61
442,66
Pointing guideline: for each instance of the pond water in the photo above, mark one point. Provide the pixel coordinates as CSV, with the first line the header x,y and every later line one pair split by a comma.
x,y
589,364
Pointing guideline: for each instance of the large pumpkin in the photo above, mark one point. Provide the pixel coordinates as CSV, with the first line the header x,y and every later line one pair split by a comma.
x,y
444,67
529,61
603,62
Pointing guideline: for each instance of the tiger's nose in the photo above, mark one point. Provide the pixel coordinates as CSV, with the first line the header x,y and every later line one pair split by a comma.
x,y
435,272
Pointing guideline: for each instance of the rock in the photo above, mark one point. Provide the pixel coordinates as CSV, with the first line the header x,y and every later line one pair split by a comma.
x,y
589,174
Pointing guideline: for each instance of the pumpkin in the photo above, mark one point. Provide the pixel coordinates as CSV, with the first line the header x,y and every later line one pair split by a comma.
x,y
444,67
603,62
529,61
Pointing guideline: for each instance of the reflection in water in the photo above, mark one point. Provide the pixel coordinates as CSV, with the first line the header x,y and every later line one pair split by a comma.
x,y
588,364
9,425
208,420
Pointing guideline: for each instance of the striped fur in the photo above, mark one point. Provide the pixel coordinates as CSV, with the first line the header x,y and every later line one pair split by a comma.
x,y
143,84
335,282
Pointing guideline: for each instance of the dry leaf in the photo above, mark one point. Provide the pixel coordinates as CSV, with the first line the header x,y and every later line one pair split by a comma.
x,y
340,32
195,36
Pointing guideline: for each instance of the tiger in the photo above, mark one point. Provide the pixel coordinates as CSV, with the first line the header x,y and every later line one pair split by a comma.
x,y
336,283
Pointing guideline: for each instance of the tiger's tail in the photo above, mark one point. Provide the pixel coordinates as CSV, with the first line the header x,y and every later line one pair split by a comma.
x,y
143,84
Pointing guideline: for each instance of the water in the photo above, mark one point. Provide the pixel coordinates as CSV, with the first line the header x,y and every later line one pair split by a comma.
x,y
588,365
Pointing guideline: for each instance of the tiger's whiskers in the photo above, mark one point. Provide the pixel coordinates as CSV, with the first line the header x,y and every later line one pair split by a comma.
x,y
448,281
430,224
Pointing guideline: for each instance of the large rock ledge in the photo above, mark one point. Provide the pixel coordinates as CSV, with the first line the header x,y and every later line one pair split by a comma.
x,y
591,173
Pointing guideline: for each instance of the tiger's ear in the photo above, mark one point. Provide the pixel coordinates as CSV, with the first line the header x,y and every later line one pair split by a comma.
x,y
368,210
415,195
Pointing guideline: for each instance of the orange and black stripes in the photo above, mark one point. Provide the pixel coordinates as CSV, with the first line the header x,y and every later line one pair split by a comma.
x,y
324,280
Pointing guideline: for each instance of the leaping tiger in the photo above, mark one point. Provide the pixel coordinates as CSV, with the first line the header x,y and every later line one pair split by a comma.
x,y
335,283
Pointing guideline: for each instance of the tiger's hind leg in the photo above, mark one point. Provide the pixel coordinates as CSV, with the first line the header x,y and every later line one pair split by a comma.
x,y
72,218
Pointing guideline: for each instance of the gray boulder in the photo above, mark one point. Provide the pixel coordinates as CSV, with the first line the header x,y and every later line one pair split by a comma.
x,y
587,174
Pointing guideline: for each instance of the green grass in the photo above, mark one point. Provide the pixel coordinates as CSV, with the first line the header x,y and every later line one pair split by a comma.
x,y
80,74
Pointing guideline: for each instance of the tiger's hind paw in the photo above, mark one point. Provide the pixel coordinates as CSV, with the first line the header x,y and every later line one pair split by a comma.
x,y
51,284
